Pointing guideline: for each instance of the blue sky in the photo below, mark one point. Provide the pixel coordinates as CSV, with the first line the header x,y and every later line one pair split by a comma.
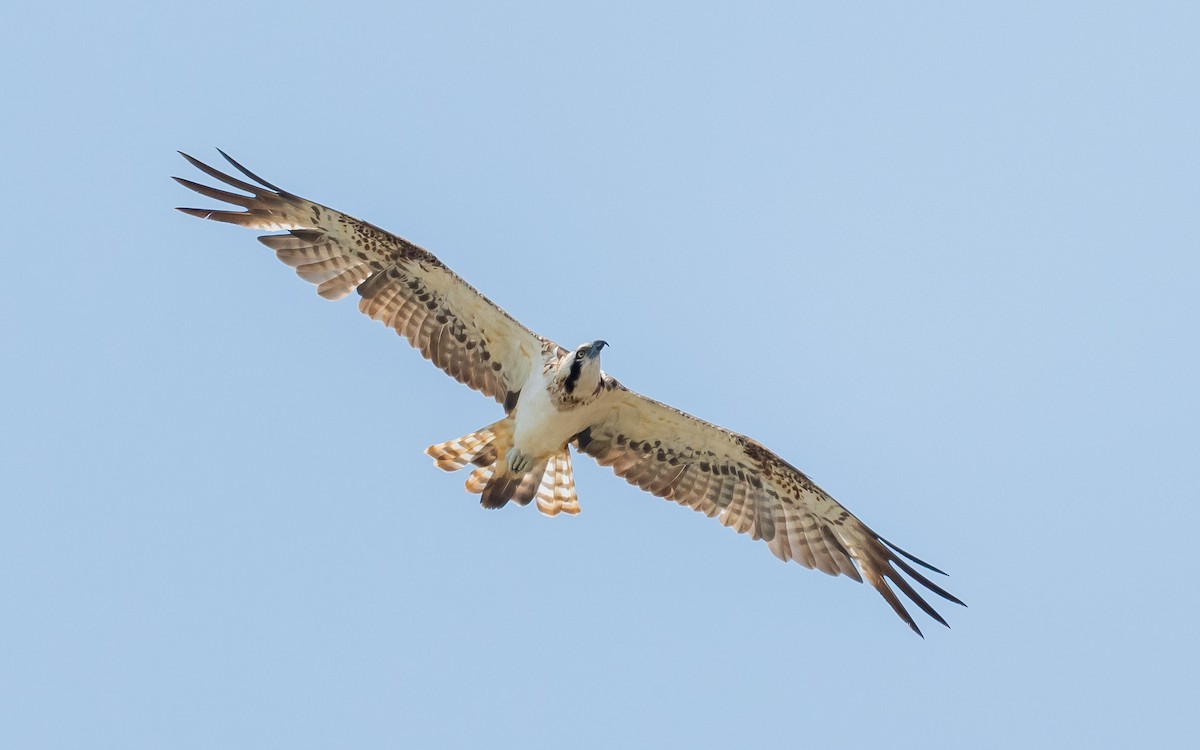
x,y
944,260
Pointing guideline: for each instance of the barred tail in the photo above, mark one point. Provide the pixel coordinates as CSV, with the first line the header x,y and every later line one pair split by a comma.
x,y
477,448
556,493
549,480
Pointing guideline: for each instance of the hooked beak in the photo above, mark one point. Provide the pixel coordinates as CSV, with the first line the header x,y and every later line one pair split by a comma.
x,y
597,345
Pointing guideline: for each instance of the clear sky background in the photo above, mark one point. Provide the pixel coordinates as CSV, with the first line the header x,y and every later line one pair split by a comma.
x,y
944,259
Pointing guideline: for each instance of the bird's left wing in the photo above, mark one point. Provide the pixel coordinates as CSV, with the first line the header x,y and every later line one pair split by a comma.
x,y
748,488
402,285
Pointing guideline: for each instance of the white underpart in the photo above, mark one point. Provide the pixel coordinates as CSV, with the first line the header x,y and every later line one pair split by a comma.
x,y
540,429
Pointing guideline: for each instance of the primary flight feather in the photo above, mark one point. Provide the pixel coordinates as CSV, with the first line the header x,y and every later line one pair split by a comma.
x,y
554,398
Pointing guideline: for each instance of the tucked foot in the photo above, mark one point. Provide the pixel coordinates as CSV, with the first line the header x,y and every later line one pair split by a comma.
x,y
518,462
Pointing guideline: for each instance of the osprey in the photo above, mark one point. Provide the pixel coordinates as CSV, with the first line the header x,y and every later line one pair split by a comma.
x,y
554,398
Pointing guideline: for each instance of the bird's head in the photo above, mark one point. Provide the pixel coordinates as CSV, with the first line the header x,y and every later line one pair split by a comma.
x,y
579,371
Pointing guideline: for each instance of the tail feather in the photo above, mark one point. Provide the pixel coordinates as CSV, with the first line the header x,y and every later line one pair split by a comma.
x,y
453,455
556,491
500,490
550,481
529,484
479,479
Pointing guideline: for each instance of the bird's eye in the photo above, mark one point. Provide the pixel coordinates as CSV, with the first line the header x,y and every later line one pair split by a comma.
x,y
578,355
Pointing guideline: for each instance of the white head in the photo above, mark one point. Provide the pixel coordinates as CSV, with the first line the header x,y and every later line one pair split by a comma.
x,y
579,371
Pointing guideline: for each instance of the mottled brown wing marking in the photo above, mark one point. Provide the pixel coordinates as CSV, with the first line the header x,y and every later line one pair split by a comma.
x,y
664,451
749,489
401,284
425,318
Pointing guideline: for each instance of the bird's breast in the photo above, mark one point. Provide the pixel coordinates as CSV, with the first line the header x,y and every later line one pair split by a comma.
x,y
542,426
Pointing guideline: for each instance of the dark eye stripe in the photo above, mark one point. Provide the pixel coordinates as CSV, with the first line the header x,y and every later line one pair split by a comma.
x,y
573,376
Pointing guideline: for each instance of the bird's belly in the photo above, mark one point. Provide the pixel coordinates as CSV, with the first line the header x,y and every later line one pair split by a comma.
x,y
541,429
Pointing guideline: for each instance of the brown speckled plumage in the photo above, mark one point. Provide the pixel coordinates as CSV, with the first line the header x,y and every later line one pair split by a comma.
x,y
403,286
662,450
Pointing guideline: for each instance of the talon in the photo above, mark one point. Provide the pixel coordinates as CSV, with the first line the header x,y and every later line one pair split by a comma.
x,y
518,462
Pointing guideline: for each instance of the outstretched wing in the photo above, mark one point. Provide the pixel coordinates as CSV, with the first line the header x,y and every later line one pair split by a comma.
x,y
733,478
402,285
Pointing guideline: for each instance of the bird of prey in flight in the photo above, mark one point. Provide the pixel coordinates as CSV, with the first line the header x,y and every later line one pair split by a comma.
x,y
555,398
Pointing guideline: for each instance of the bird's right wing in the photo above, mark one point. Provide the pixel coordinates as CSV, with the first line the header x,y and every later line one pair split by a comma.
x,y
402,285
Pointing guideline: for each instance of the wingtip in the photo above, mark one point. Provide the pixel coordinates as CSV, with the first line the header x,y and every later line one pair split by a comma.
x,y
250,174
190,159
912,557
